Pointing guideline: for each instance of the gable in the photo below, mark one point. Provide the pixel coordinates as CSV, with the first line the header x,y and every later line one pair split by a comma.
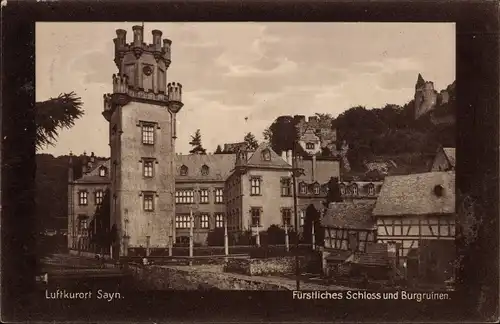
x,y
275,161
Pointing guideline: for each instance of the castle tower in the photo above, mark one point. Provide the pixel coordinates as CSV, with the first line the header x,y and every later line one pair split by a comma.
x,y
425,97
141,113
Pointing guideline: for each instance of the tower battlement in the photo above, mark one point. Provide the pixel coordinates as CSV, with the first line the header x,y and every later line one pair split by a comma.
x,y
160,50
120,83
174,91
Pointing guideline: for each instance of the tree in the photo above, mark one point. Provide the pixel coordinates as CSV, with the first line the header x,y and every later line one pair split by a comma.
x,y
196,143
267,135
218,150
54,114
99,227
282,134
251,142
333,194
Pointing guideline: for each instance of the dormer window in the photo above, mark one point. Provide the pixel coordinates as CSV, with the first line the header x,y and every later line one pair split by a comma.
x,y
439,191
354,189
309,146
184,170
102,171
266,155
342,189
316,189
303,188
204,170
371,189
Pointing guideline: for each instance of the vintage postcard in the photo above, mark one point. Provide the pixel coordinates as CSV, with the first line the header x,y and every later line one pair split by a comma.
x,y
316,161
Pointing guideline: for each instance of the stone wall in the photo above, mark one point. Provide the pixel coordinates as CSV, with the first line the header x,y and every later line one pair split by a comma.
x,y
175,278
262,267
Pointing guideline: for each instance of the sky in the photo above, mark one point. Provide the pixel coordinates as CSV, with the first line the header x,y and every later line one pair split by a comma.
x,y
238,77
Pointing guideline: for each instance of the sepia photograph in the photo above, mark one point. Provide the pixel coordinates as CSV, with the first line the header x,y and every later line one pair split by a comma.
x,y
249,161
245,156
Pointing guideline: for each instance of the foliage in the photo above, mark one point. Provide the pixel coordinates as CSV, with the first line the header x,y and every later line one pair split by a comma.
x,y
54,114
100,232
333,194
251,142
196,143
313,215
268,134
218,150
283,134
275,235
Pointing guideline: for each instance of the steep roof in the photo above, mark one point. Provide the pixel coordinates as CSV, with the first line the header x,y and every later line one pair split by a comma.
x,y
449,152
93,176
349,215
219,166
276,161
420,81
376,255
416,194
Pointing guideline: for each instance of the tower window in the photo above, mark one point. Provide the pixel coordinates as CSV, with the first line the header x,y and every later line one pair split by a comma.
x,y
83,198
148,137
204,170
184,170
148,168
99,194
148,201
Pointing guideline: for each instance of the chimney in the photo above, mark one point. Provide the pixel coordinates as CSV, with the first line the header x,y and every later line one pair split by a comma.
x,y
283,156
92,157
70,168
313,167
289,157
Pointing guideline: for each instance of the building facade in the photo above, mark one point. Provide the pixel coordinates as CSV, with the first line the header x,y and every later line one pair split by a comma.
x,y
85,194
199,191
141,113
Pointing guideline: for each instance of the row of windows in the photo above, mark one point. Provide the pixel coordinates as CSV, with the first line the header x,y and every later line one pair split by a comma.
x,y
184,221
353,189
186,196
84,195
286,187
185,170
286,216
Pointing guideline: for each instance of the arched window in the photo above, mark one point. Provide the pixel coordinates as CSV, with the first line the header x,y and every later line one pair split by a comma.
x,y
184,170
102,171
371,189
303,188
354,189
316,188
204,170
342,189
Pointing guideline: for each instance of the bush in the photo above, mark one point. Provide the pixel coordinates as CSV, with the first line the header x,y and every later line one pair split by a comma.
x,y
216,237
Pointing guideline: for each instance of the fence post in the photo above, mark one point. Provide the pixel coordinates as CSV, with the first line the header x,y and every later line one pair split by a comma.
x,y
287,244
170,245
313,236
257,238
191,243
226,240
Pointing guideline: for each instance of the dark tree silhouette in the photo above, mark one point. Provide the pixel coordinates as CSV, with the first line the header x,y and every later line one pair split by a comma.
x,y
313,215
251,142
218,150
55,114
333,194
196,143
100,234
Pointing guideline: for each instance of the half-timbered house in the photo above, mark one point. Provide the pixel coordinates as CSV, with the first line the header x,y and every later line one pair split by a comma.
x,y
416,207
348,227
